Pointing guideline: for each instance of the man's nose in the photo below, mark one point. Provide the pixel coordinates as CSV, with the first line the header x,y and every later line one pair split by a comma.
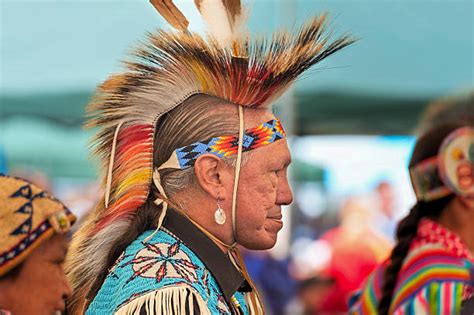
x,y
285,194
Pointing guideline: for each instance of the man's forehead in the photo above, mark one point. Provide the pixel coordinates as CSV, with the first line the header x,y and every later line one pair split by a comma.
x,y
276,153
286,154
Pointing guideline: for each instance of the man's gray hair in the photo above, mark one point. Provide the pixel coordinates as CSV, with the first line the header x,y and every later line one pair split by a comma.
x,y
200,117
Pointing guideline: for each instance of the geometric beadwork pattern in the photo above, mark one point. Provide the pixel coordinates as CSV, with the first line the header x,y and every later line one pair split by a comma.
x,y
162,262
27,214
24,243
27,208
159,260
226,146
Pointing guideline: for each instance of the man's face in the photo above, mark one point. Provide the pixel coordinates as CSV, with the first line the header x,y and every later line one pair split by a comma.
x,y
263,189
41,285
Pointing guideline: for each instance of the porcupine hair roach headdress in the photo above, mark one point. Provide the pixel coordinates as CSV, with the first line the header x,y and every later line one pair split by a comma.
x,y
168,69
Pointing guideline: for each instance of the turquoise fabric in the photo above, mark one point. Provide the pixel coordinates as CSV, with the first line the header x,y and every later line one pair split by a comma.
x,y
163,262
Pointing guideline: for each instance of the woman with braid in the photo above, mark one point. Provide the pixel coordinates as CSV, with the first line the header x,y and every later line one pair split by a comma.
x,y
431,268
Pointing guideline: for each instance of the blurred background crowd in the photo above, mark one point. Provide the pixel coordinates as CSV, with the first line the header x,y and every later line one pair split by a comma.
x,y
351,127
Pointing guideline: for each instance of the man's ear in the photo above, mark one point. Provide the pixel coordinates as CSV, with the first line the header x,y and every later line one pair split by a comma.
x,y
211,174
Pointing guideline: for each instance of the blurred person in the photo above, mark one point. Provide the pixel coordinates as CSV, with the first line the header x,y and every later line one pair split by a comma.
x,y
311,294
430,269
356,248
386,195
308,258
33,247
181,190
453,109
272,278
385,216
81,201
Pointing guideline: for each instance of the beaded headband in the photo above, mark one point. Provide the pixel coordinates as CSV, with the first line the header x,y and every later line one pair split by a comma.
x,y
451,171
226,146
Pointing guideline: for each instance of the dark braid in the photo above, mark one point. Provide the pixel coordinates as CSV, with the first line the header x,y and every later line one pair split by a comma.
x,y
426,147
406,232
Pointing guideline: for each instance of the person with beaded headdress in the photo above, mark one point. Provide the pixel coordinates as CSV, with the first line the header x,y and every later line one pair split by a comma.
x,y
195,164
33,245
431,268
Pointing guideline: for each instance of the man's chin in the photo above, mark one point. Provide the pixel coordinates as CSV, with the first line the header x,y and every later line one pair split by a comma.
x,y
265,242
272,227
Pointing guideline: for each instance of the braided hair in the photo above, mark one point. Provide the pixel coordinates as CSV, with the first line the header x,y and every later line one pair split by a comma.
x,y
427,146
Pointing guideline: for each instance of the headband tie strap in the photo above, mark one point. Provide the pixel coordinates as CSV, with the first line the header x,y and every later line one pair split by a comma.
x,y
237,173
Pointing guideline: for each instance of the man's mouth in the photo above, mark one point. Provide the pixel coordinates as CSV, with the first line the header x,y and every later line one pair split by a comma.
x,y
277,216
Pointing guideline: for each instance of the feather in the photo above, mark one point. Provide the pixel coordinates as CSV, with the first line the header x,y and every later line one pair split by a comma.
x,y
171,14
224,19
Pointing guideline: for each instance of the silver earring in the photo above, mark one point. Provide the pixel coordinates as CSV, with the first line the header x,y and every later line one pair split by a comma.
x,y
219,215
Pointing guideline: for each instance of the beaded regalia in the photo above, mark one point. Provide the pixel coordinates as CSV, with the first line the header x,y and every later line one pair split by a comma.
x,y
167,69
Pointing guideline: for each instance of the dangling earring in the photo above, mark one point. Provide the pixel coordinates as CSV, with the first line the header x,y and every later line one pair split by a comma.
x,y
219,215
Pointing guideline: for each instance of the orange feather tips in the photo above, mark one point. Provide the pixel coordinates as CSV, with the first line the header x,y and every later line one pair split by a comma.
x,y
131,174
